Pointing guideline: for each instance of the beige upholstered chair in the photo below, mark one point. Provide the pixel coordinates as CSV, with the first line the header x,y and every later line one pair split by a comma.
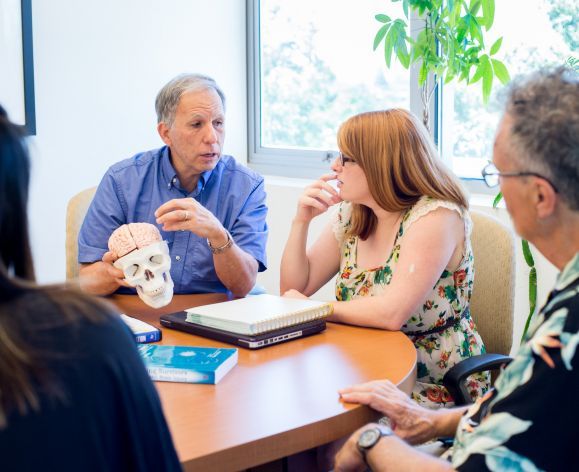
x,y
75,212
492,302
493,297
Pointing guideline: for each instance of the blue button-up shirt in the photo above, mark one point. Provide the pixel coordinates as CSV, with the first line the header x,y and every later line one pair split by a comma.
x,y
133,189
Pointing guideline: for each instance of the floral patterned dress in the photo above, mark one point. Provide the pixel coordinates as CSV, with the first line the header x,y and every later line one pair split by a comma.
x,y
442,329
529,420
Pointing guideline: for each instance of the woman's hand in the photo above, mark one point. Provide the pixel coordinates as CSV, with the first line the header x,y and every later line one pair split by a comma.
x,y
317,198
409,420
294,294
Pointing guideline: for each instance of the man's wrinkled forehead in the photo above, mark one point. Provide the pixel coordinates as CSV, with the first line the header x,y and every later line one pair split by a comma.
x,y
200,104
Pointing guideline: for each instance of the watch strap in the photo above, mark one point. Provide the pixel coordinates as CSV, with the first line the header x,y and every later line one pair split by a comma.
x,y
220,249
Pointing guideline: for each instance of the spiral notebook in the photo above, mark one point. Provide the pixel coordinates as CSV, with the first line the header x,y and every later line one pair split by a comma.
x,y
258,314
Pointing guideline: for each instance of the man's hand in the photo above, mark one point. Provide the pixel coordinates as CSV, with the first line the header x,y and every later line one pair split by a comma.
x,y
389,454
102,278
409,420
235,268
349,458
189,215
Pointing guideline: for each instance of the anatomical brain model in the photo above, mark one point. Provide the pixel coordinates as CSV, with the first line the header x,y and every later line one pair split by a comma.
x,y
144,258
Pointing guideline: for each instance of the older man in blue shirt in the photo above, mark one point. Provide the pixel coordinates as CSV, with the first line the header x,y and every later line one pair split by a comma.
x,y
210,209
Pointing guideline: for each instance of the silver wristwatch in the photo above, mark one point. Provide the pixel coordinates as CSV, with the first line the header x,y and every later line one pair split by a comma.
x,y
370,437
220,249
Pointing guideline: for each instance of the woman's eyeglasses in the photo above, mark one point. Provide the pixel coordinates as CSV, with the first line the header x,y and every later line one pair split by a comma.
x,y
491,175
344,159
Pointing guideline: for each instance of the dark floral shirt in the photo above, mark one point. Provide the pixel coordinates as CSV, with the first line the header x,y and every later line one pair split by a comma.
x,y
529,421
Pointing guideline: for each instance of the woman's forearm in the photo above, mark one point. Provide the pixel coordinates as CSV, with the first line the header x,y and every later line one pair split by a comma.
x,y
372,312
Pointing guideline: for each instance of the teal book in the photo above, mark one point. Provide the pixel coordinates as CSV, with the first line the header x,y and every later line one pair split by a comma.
x,y
188,364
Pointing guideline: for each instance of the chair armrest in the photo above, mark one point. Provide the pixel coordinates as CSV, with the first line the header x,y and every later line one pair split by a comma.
x,y
454,379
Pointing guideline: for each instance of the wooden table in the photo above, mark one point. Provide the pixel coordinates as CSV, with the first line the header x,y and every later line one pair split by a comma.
x,y
279,400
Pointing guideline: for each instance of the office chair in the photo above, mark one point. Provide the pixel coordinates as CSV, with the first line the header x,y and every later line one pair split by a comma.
x,y
492,302
75,213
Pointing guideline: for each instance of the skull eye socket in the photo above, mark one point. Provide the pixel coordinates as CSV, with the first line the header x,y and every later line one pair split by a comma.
x,y
156,259
131,271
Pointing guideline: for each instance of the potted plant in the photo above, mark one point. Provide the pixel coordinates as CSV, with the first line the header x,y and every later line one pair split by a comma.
x,y
447,44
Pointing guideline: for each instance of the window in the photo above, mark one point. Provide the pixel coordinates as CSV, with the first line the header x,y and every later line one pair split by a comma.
x,y
545,37
313,67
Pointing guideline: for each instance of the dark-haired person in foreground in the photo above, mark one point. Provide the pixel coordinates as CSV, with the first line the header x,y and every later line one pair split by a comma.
x,y
529,420
74,394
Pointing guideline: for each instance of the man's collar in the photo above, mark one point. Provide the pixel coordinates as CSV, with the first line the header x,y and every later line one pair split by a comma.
x,y
170,176
569,274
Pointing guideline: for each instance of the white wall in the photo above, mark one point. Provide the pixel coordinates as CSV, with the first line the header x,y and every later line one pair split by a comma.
x,y
98,67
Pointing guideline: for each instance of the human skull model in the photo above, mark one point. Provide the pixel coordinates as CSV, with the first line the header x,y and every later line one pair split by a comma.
x,y
144,258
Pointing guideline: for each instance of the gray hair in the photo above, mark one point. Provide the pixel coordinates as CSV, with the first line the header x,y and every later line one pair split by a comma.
x,y
544,109
169,96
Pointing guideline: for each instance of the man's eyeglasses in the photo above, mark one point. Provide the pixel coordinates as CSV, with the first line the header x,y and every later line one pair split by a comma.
x,y
491,175
344,159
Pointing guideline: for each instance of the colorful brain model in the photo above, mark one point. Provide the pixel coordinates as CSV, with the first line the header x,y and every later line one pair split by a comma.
x,y
132,236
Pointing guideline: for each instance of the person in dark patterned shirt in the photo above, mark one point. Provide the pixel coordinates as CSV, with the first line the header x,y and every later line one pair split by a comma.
x,y
529,420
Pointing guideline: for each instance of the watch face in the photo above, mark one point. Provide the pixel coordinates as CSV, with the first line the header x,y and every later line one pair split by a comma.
x,y
368,438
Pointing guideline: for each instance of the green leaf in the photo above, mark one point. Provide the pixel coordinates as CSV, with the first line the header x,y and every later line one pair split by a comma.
x,y
464,75
380,35
501,71
383,18
476,31
532,300
478,73
496,46
402,51
527,253
450,5
454,13
462,28
488,7
388,46
423,73
533,289
497,199
405,8
474,6
487,80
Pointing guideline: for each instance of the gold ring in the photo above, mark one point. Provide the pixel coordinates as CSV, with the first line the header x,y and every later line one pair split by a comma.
x,y
187,217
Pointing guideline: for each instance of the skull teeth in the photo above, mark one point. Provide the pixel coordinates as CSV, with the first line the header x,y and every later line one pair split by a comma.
x,y
154,293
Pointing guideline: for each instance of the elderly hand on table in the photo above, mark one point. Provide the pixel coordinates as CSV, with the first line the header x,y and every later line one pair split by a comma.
x,y
410,421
